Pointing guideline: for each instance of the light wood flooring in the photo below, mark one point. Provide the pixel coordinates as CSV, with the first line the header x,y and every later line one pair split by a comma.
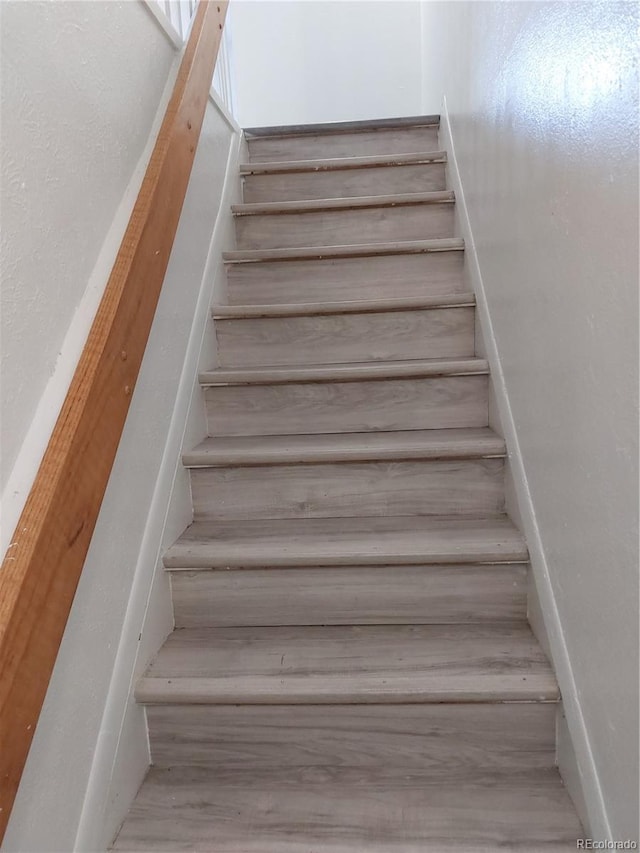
x,y
351,670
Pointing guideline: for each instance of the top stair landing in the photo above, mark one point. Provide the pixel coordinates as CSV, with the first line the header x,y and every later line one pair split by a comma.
x,y
343,139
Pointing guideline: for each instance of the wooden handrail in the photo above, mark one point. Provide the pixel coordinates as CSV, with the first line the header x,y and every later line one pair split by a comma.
x,y
41,570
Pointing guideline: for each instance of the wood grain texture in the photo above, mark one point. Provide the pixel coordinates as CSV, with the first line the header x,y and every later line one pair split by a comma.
x,y
348,489
344,183
332,164
364,664
380,336
350,250
392,140
278,208
290,543
47,552
361,595
394,404
359,226
450,739
338,127
344,372
328,308
382,277
325,810
338,447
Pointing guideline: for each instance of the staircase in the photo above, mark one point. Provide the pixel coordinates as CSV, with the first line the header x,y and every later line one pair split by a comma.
x,y
351,669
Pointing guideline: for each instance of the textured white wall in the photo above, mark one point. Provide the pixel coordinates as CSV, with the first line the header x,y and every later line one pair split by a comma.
x,y
543,107
80,85
301,61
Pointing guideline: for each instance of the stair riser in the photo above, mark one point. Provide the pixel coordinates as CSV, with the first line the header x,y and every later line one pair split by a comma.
x,y
345,183
363,595
429,737
437,333
363,143
315,542
345,227
329,407
335,279
473,486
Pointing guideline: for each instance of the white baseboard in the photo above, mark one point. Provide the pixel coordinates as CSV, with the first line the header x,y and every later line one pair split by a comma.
x,y
581,777
119,762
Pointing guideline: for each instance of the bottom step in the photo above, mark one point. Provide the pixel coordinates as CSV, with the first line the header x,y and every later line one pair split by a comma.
x,y
333,810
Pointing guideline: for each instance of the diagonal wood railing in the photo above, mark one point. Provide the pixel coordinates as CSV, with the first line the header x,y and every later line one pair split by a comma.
x,y
40,573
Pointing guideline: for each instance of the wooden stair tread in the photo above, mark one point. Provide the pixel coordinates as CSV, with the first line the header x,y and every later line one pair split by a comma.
x,y
358,306
338,810
334,127
350,664
352,372
355,250
331,164
397,540
335,447
347,203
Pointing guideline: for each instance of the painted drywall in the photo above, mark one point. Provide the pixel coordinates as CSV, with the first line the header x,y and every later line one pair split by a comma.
x,y
78,128
543,114
91,737
80,86
300,61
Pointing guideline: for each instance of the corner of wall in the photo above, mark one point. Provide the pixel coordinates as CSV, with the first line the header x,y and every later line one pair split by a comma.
x,y
574,755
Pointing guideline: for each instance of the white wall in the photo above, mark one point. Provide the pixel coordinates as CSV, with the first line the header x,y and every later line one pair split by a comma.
x,y
80,84
90,748
542,104
91,738
300,61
